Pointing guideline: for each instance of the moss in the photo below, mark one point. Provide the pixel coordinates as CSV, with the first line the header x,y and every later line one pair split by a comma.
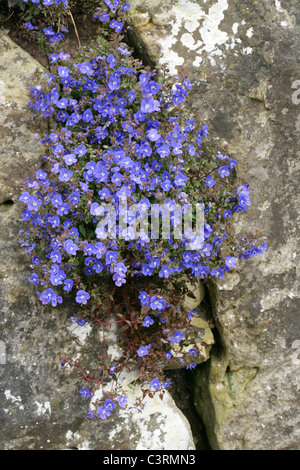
x,y
217,390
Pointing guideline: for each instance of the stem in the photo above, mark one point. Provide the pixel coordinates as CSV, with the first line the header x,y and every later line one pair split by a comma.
x,y
74,24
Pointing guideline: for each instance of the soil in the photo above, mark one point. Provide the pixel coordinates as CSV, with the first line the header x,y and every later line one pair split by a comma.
x,y
87,28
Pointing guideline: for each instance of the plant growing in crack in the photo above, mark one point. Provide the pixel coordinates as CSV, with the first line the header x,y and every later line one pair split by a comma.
x,y
110,217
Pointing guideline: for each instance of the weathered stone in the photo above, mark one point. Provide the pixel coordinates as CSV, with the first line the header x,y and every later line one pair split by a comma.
x,y
198,292
41,407
242,59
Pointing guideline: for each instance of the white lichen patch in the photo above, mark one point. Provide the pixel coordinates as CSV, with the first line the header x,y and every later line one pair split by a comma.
x,y
43,408
199,32
17,400
274,297
74,439
278,6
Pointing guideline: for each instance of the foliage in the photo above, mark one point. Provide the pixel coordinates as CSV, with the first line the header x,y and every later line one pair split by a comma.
x,y
122,132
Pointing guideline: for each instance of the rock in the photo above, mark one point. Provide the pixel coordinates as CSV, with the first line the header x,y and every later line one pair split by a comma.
x,y
198,292
41,407
242,60
198,336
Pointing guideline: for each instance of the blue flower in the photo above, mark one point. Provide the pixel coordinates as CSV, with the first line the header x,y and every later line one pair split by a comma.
x,y
157,303
165,271
125,6
34,279
153,135
65,174
68,284
48,31
122,400
210,182
143,350
176,337
227,214
109,405
224,171
191,366
29,25
230,261
155,383
144,298
166,383
102,412
148,321
191,313
82,297
85,392
193,352
70,247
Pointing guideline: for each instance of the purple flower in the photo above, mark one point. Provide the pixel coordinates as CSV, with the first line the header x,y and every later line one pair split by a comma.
x,y
55,221
153,135
82,297
103,412
149,105
230,261
55,256
85,392
191,313
163,150
70,247
143,350
210,182
155,383
165,271
81,150
116,25
193,352
34,204
29,25
191,366
109,405
34,279
63,71
227,213
144,298
48,31
47,296
125,6
65,174
176,337
148,321
157,303
113,83
122,401
224,171
68,284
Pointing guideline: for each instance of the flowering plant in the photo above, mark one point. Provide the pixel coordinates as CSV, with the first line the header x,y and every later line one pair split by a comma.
x,y
109,215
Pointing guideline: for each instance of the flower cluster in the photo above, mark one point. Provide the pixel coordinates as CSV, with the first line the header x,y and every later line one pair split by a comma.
x,y
123,134
103,411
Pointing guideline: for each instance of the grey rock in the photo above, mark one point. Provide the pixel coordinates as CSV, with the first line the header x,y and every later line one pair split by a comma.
x,y
243,60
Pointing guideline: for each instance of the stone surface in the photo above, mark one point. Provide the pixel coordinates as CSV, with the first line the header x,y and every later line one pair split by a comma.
x,y
243,59
41,407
